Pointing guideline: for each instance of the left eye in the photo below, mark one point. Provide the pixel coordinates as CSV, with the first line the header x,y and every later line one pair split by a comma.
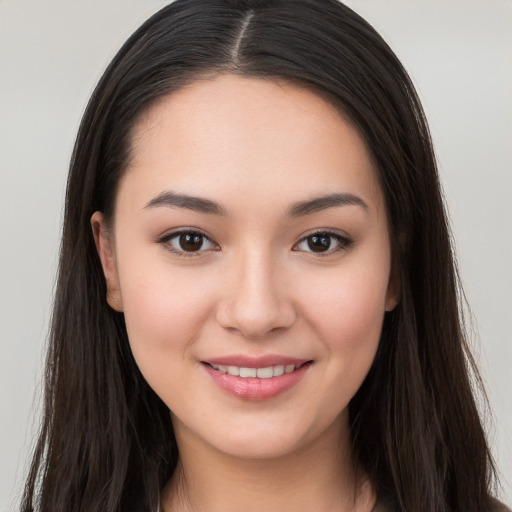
x,y
188,242
323,243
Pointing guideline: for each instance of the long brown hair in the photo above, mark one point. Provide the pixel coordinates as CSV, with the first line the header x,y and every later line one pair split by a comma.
x,y
106,442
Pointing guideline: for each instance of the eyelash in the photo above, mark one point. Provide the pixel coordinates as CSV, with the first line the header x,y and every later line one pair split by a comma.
x,y
343,243
166,240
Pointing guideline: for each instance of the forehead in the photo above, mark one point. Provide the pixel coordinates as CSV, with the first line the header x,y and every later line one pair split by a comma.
x,y
229,135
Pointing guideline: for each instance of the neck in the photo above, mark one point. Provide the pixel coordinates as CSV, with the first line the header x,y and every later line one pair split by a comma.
x,y
319,476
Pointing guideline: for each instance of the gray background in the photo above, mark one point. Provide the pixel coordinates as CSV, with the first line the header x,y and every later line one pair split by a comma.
x,y
459,53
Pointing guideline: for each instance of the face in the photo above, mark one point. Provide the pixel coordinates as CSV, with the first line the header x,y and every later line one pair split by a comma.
x,y
250,255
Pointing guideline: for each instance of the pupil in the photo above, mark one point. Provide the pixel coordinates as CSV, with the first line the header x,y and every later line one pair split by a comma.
x,y
319,243
191,242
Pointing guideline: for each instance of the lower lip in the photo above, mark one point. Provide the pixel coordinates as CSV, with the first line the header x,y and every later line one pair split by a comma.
x,y
252,388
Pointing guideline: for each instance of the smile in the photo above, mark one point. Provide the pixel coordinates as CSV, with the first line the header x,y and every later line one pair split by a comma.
x,y
259,373
257,381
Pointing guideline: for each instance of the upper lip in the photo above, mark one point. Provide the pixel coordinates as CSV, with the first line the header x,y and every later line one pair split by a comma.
x,y
244,361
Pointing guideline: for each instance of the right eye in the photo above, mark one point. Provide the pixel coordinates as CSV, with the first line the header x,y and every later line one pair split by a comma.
x,y
324,243
188,243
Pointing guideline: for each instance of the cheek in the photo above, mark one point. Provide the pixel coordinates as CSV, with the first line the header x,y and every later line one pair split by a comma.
x,y
347,307
346,311
163,313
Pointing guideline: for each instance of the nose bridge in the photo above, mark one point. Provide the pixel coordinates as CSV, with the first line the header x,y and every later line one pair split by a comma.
x,y
257,280
255,302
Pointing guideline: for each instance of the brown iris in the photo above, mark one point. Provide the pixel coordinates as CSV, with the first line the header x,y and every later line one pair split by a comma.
x,y
191,241
319,243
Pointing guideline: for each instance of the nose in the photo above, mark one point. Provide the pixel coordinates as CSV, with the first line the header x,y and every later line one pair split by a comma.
x,y
255,300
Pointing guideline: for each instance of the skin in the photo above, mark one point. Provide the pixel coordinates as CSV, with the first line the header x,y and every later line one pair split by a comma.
x,y
256,147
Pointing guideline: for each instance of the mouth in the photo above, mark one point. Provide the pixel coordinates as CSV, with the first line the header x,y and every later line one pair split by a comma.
x,y
259,373
256,382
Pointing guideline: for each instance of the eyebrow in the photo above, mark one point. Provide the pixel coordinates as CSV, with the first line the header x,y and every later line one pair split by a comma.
x,y
197,204
201,205
322,203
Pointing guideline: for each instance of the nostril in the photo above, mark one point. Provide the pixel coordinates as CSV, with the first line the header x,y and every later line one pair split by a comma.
x,y
255,320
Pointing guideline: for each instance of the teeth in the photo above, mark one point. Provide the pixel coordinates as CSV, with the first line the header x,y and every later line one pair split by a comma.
x,y
264,373
278,370
233,370
248,372
260,373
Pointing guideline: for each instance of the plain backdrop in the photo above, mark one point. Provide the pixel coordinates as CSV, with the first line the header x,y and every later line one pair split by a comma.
x,y
52,52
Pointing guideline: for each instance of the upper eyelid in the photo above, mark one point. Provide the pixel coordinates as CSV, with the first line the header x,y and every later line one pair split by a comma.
x,y
165,240
179,231
345,240
169,235
325,231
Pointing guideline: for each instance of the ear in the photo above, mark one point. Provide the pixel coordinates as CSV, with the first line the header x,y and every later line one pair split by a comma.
x,y
104,246
394,288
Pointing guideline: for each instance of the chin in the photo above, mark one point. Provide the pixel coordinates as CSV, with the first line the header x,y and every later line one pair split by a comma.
x,y
257,447
265,437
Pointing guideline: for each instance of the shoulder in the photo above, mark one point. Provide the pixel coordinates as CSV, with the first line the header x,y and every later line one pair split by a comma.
x,y
498,506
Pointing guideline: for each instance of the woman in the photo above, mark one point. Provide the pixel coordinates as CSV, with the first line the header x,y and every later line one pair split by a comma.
x,y
257,302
